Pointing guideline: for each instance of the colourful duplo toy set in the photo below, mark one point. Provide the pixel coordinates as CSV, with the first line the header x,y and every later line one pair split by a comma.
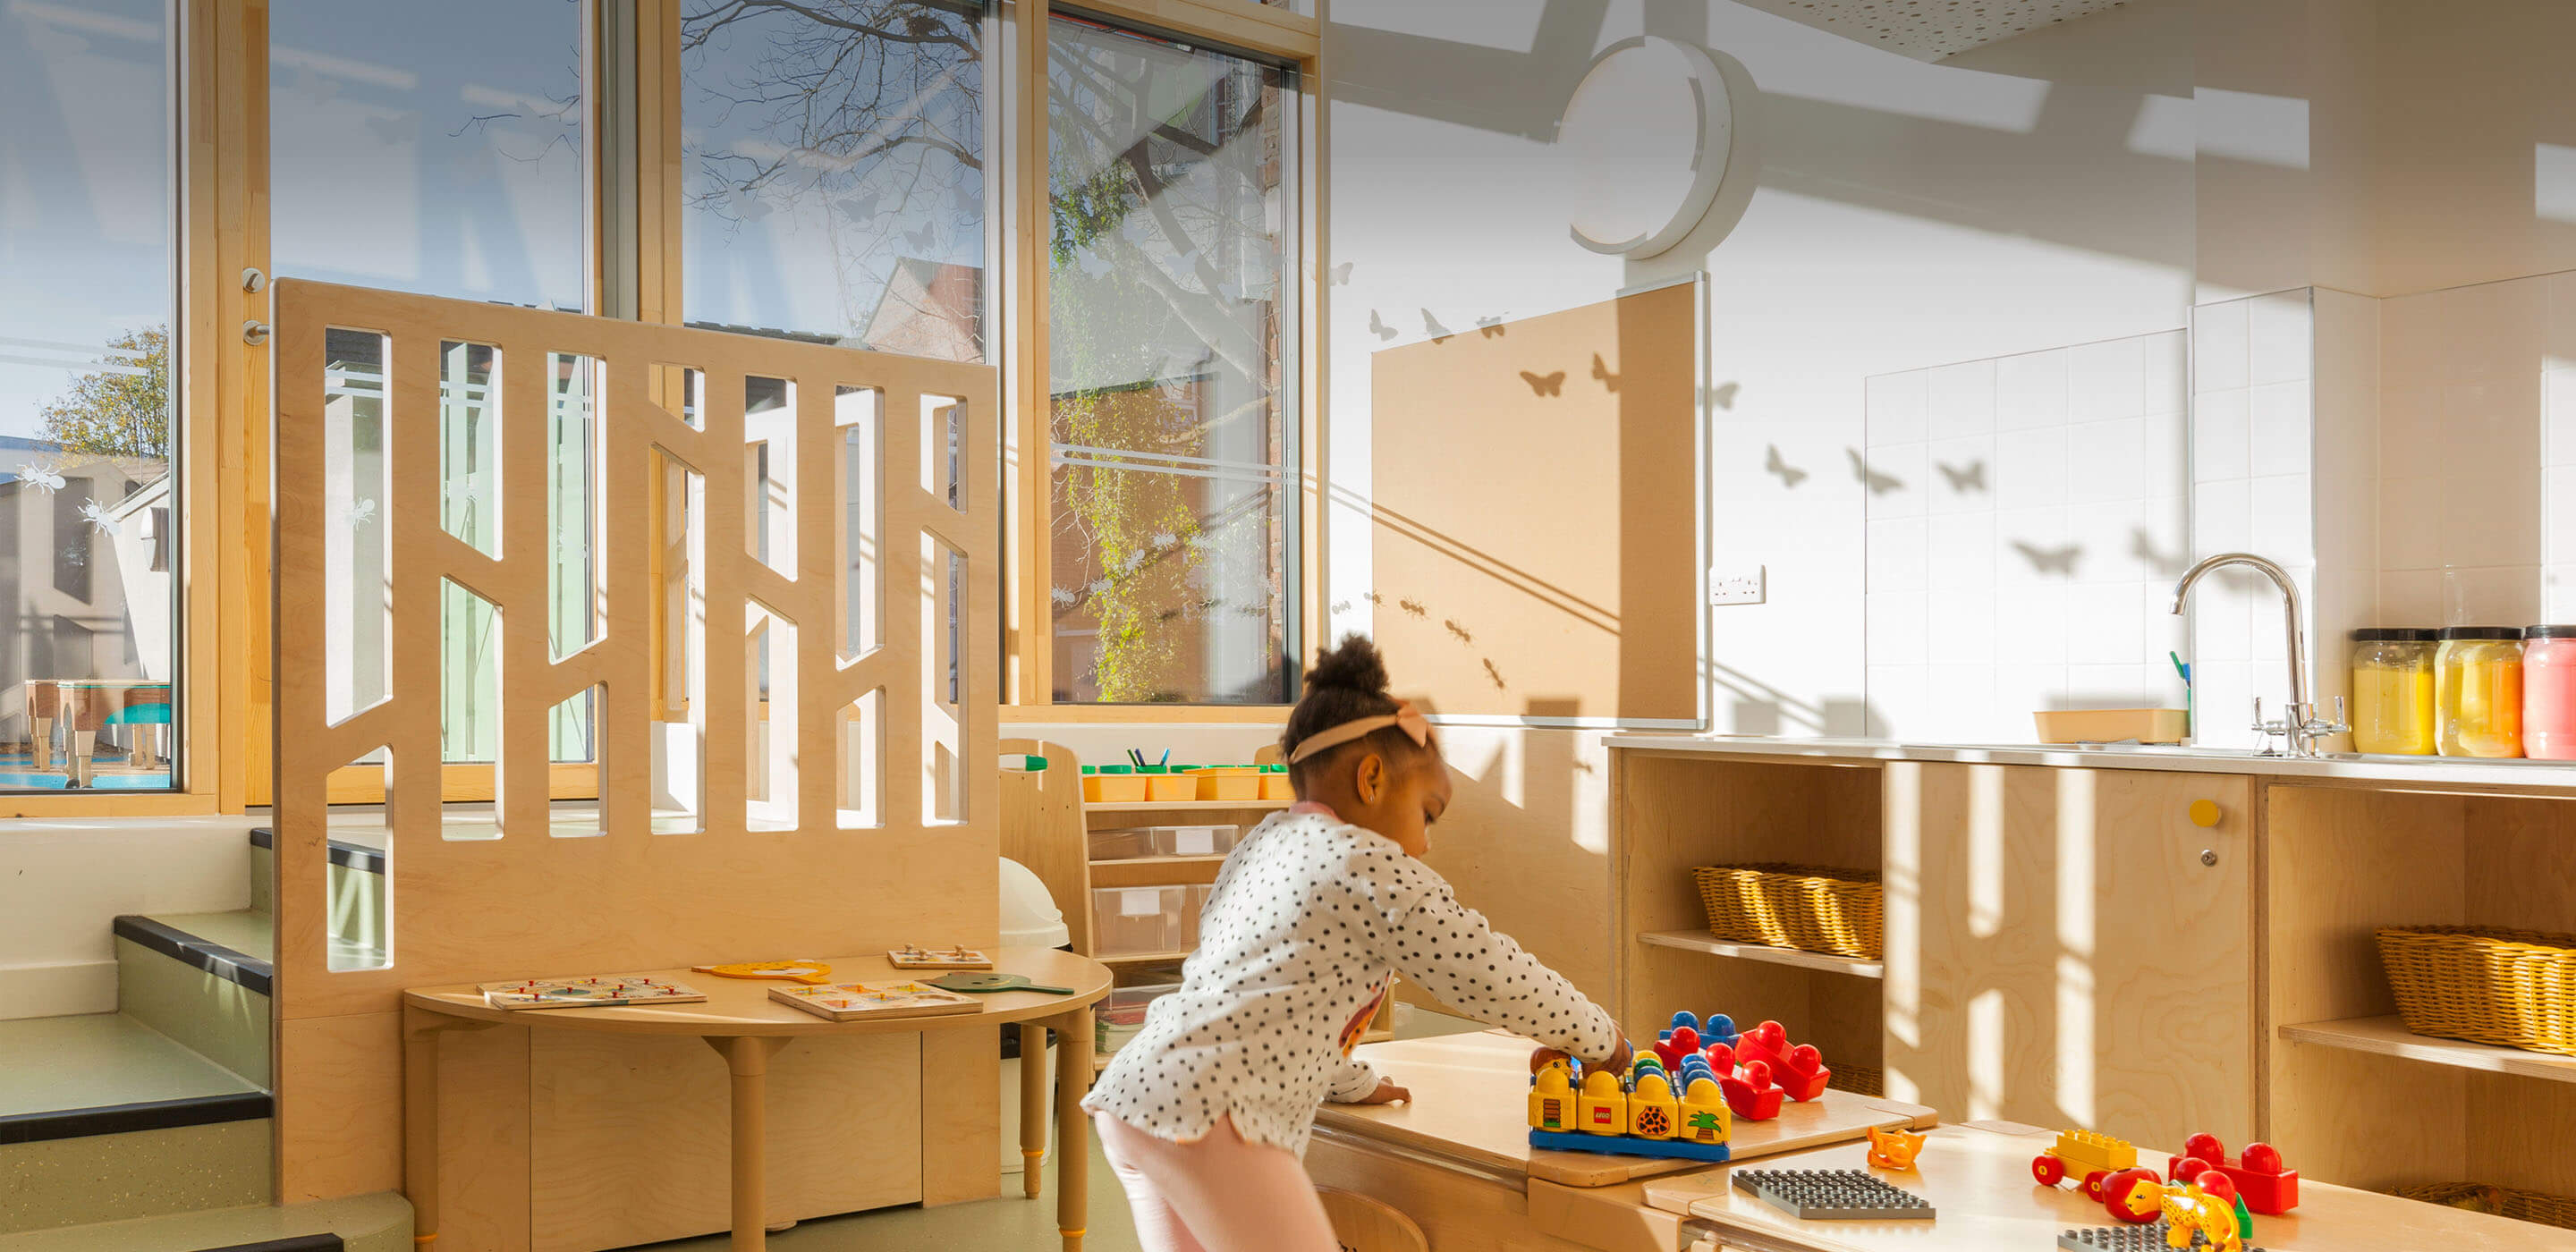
x,y
1680,1099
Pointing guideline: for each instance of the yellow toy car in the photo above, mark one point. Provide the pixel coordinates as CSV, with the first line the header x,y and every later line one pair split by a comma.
x,y
2085,1155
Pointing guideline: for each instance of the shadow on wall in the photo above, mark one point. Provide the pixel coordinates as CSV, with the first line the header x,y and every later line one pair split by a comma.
x,y
1910,162
1526,841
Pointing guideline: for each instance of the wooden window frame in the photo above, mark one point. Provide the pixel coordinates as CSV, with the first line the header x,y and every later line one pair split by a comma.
x,y
1237,26
631,118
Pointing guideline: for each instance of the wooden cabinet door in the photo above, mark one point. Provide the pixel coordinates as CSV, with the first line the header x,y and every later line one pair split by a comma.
x,y
2058,952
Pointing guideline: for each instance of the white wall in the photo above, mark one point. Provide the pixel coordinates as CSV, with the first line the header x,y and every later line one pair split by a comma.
x,y
1908,215
63,883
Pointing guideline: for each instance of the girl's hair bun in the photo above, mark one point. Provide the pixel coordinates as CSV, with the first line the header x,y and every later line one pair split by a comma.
x,y
1353,665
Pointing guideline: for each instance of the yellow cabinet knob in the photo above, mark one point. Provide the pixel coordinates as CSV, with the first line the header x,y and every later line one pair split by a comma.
x,y
2205,813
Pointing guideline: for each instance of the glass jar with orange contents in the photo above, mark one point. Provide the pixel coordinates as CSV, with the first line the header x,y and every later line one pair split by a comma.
x,y
2478,691
2392,691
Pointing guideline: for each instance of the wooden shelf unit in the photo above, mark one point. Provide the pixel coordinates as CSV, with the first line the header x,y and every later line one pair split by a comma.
x,y
1702,941
1673,811
2353,1097
1047,825
2388,1036
1147,808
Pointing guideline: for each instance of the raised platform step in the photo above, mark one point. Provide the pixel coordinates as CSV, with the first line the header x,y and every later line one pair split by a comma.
x,y
237,947
203,979
109,1071
369,1223
102,1116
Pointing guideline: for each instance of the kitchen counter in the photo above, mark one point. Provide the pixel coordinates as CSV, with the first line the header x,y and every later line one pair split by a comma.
x,y
2394,772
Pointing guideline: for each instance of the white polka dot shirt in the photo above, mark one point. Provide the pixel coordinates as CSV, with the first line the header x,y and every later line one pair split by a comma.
x,y
1308,918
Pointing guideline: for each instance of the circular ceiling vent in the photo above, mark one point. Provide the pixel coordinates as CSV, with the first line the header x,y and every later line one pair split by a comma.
x,y
1650,128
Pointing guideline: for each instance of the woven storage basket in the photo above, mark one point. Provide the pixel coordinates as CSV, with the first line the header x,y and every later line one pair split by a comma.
x,y
2522,1206
1808,907
1858,1080
2511,988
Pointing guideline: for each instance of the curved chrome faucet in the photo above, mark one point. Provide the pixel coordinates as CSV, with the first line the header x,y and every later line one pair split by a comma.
x,y
2300,727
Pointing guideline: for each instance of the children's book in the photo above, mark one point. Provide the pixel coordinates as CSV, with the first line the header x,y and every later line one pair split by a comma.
x,y
911,957
605,991
851,1001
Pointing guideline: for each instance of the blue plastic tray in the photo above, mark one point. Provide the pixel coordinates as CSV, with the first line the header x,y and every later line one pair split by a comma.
x,y
1627,1145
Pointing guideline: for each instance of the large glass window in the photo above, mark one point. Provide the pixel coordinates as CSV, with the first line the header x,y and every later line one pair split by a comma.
x,y
835,182
432,148
438,149
87,449
1174,557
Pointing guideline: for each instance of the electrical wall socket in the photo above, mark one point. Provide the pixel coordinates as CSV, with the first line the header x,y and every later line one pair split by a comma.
x,y
1741,585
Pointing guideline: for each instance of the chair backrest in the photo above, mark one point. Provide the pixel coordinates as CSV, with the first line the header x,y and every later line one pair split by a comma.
x,y
1362,1224
1042,828
1269,754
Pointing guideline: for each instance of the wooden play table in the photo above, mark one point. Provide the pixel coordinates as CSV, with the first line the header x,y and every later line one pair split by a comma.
x,y
1977,1177
1457,1162
746,1027
1457,1158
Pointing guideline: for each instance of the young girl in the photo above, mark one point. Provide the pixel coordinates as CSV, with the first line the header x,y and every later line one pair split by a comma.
x,y
1204,1114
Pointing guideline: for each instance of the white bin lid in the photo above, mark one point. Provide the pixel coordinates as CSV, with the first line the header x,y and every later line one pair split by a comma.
x,y
1030,918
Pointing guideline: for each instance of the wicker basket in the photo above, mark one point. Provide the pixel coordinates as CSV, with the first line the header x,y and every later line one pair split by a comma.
x,y
2511,988
1858,1080
1808,907
2522,1206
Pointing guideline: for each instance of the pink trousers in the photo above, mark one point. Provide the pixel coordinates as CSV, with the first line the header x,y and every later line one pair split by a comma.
x,y
1220,1194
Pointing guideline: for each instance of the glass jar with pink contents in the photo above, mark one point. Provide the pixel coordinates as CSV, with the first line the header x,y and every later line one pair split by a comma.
x,y
2549,693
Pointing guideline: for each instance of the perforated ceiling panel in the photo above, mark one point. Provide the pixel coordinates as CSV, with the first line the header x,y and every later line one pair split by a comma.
x,y
1930,29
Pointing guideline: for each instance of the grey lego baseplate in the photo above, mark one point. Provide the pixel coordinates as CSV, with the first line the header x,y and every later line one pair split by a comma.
x,y
1832,1195
2149,1237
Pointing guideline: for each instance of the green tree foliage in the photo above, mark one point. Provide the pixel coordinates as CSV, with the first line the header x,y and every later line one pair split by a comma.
x,y
123,410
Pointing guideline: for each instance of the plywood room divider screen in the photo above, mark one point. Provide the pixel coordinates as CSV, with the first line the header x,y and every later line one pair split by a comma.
x,y
753,579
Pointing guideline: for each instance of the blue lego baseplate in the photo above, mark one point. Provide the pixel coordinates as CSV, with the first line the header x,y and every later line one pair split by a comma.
x,y
1627,1145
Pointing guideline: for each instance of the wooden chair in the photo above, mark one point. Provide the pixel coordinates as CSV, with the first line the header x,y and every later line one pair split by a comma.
x,y
1362,1224
1042,828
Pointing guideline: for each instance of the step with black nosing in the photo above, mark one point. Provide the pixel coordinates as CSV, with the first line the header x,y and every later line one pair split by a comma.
x,y
346,855
249,971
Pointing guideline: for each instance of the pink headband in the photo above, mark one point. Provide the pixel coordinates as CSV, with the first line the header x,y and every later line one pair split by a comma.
x,y
1404,718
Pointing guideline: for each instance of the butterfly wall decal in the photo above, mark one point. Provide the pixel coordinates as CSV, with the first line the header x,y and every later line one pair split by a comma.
x,y
1545,384
1341,274
1790,475
1431,326
1966,478
1879,484
2059,560
922,240
1378,326
1601,370
1721,395
1490,327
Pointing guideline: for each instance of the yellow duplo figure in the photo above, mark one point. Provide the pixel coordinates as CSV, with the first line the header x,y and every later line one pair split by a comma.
x,y
1604,1106
1703,1116
1652,1112
1551,1101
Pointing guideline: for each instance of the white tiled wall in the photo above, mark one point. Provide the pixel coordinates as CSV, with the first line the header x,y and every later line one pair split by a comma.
x,y
2253,488
2025,514
2460,514
2558,451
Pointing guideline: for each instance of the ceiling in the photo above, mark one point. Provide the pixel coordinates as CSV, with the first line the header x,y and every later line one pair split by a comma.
x,y
1928,30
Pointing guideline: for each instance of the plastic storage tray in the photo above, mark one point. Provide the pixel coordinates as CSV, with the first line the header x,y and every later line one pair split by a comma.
x,y
1126,921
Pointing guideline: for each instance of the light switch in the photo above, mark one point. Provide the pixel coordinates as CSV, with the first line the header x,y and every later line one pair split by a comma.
x,y
1739,585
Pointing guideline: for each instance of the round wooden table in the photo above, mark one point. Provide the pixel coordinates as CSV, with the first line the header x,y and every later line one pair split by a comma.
x,y
746,1027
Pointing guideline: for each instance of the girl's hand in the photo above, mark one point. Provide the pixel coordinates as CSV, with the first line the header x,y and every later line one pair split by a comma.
x,y
1541,1058
1387,1093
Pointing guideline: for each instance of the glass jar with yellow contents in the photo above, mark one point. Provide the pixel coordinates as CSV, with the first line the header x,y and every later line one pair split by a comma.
x,y
2392,691
2478,691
